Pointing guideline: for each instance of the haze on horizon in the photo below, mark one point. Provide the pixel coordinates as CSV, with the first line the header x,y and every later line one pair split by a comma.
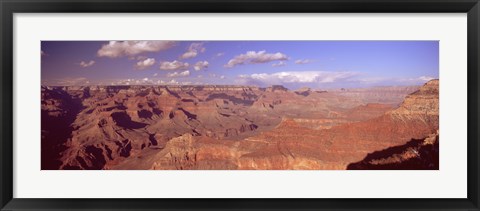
x,y
293,64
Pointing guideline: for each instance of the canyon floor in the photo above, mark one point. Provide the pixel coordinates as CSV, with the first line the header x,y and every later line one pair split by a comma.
x,y
239,128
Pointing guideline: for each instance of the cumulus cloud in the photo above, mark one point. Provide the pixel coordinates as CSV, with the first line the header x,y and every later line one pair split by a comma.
x,y
178,74
80,81
220,54
172,82
200,65
425,78
279,64
193,51
125,82
302,61
417,80
128,81
175,65
188,54
317,77
143,64
389,81
115,49
252,57
85,64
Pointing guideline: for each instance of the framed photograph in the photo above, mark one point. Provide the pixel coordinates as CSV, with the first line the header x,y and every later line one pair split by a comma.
x,y
216,105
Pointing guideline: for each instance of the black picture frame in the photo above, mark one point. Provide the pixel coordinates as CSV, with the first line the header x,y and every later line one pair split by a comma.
x,y
9,7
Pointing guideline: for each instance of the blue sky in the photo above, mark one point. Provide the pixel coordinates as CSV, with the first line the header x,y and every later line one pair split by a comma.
x,y
294,64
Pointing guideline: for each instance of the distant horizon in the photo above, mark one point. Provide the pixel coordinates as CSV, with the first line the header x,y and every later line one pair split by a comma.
x,y
232,85
292,64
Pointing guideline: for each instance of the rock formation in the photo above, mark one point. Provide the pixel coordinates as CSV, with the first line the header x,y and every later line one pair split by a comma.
x,y
230,127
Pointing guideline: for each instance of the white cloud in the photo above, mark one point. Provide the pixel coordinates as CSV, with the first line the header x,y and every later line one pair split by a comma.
x,y
116,49
175,65
421,79
86,64
302,61
252,57
81,81
390,81
132,81
143,64
279,64
188,55
220,54
200,65
222,77
178,74
295,77
172,82
425,78
155,75
193,51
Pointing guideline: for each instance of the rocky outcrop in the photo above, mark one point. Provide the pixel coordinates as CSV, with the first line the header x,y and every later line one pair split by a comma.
x,y
277,88
179,153
421,103
189,152
304,91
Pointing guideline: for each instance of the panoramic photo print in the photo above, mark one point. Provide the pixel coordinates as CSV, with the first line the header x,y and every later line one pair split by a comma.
x,y
239,105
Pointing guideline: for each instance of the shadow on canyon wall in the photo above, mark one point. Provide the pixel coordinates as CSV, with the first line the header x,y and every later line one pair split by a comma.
x,y
414,155
57,129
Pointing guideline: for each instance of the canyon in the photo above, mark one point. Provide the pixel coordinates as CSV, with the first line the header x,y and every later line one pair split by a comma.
x,y
220,127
